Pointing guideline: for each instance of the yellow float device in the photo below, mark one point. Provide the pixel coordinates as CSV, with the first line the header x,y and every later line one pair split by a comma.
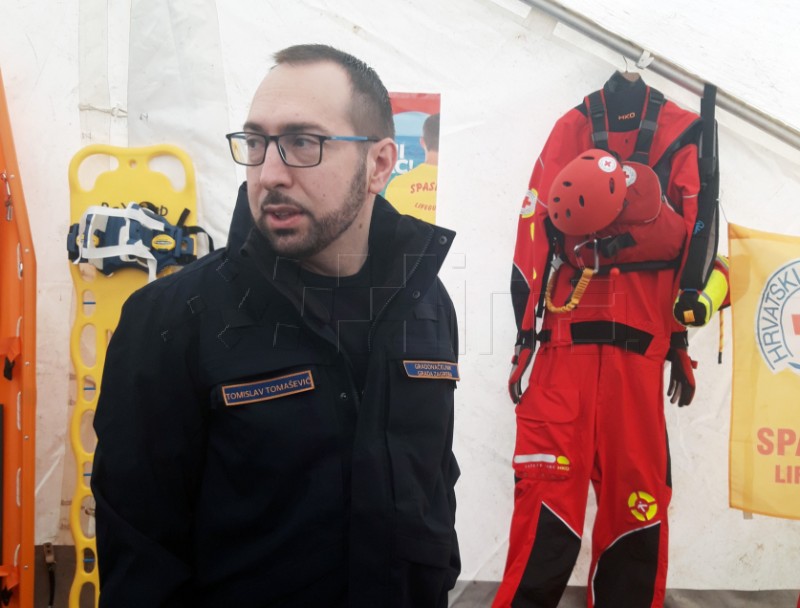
x,y
693,308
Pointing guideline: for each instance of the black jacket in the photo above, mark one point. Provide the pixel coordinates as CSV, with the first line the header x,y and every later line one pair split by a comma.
x,y
238,465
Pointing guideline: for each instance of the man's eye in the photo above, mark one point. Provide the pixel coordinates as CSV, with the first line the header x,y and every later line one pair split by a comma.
x,y
254,142
301,141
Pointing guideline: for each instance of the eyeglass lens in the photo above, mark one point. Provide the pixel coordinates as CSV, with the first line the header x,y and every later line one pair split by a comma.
x,y
296,149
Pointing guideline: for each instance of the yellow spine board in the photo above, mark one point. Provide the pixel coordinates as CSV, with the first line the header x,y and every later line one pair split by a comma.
x,y
99,299
18,395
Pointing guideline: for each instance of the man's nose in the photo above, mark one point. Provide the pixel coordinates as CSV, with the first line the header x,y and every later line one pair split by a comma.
x,y
273,171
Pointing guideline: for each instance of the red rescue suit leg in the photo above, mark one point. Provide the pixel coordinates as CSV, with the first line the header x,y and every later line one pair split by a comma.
x,y
593,414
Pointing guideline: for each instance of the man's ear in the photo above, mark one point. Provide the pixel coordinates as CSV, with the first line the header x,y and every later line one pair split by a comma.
x,y
381,160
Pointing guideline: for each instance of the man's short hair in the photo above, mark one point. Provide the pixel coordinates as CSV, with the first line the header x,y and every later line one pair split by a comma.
x,y
430,132
371,111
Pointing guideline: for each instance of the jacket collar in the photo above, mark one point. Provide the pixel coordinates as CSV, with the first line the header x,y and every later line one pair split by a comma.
x,y
402,248
406,255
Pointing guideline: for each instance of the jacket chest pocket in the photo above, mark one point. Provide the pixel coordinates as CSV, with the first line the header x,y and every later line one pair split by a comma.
x,y
274,456
268,406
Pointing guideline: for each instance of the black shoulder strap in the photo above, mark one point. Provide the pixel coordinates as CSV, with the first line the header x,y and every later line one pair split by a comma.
x,y
596,109
705,236
647,127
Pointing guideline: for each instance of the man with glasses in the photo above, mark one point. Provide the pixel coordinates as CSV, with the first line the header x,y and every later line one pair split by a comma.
x,y
275,423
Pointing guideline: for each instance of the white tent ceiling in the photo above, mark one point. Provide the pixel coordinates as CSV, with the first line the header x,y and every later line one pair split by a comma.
x,y
748,49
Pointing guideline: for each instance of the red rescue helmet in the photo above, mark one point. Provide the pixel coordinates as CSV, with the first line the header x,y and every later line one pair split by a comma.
x,y
587,194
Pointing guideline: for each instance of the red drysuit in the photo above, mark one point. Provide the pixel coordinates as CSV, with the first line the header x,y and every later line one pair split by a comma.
x,y
593,409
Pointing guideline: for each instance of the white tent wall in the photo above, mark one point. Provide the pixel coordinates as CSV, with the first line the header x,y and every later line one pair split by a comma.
x,y
185,70
39,59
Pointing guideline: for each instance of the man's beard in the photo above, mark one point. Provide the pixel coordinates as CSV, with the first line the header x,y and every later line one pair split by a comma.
x,y
321,231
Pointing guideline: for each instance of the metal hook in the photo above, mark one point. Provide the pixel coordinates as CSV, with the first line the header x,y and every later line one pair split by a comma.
x,y
595,249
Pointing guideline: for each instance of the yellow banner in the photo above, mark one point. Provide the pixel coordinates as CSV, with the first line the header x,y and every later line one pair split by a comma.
x,y
765,411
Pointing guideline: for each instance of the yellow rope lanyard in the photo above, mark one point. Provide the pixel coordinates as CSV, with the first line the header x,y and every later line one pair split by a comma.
x,y
575,296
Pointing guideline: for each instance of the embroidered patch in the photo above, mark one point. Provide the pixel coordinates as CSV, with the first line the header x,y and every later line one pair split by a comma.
x,y
529,203
432,369
263,390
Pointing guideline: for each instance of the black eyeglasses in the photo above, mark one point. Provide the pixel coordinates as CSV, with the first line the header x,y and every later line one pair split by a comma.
x,y
295,149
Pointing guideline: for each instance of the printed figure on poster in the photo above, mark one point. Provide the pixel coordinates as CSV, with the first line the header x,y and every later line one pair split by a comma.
x,y
412,188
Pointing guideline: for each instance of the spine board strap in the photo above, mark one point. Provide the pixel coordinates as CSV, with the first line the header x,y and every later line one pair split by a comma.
x,y
133,237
